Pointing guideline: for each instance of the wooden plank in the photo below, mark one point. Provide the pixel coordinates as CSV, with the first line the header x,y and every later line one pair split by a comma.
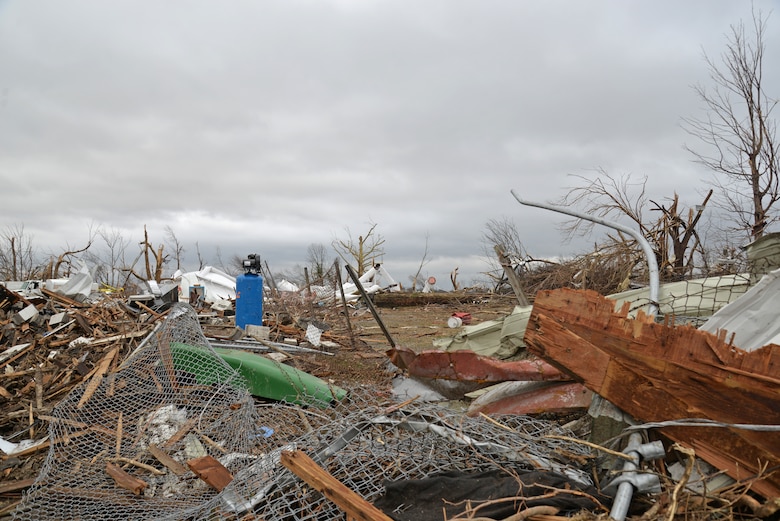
x,y
346,499
211,471
125,480
181,433
679,358
15,486
97,377
165,458
62,298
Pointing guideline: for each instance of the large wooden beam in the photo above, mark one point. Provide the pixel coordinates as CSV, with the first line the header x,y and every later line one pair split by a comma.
x,y
658,372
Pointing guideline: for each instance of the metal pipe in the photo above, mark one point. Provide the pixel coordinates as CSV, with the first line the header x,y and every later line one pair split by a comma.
x,y
652,263
369,304
626,489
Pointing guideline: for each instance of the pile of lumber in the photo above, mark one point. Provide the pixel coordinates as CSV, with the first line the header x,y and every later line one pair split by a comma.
x,y
49,344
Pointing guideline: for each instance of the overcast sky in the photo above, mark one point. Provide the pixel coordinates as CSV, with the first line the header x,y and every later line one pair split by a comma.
x,y
267,126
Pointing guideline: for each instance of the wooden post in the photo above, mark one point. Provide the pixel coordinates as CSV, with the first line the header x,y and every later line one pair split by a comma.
x,y
511,276
337,267
362,290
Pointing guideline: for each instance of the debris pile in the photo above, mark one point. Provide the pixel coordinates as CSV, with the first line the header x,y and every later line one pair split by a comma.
x,y
52,344
151,410
173,433
123,446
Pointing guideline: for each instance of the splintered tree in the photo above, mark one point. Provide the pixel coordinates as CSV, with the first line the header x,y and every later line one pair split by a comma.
x,y
672,235
363,252
505,253
154,261
174,245
738,131
156,255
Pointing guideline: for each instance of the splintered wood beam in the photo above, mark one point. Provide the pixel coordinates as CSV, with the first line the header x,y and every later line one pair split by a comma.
x,y
657,372
320,479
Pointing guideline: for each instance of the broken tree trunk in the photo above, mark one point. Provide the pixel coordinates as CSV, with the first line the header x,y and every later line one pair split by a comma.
x,y
511,275
657,372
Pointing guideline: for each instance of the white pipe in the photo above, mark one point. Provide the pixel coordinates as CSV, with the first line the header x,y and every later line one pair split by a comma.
x,y
652,264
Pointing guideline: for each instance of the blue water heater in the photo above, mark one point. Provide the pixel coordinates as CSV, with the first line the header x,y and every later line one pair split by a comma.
x,y
249,294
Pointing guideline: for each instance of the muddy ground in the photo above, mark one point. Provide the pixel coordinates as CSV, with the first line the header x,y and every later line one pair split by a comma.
x,y
363,362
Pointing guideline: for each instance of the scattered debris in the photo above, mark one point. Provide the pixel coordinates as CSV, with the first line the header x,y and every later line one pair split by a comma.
x,y
458,319
155,409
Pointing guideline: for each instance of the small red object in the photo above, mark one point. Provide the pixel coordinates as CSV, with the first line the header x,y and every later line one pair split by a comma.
x,y
464,317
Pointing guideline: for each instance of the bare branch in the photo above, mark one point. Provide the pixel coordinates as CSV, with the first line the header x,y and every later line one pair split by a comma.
x,y
363,252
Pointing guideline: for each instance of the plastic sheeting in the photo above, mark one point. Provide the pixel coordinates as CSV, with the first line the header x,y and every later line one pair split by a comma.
x,y
499,338
217,284
753,317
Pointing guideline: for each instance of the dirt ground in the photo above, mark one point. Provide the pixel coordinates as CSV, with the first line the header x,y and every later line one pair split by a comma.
x,y
363,362
416,327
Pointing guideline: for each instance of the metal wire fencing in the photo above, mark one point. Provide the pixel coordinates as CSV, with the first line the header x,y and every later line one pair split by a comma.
x,y
175,395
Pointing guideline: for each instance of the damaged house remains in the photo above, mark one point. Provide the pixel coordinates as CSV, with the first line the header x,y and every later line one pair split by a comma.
x,y
658,401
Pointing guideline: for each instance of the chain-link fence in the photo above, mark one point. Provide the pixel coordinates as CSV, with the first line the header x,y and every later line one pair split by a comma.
x,y
186,403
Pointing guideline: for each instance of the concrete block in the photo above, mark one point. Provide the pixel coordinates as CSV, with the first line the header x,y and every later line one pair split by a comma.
x,y
25,315
258,332
58,318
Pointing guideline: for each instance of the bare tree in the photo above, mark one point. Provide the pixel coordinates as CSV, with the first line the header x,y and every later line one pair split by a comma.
x,y
173,244
423,261
318,261
739,131
61,264
502,234
363,252
17,256
111,260
606,196
236,265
